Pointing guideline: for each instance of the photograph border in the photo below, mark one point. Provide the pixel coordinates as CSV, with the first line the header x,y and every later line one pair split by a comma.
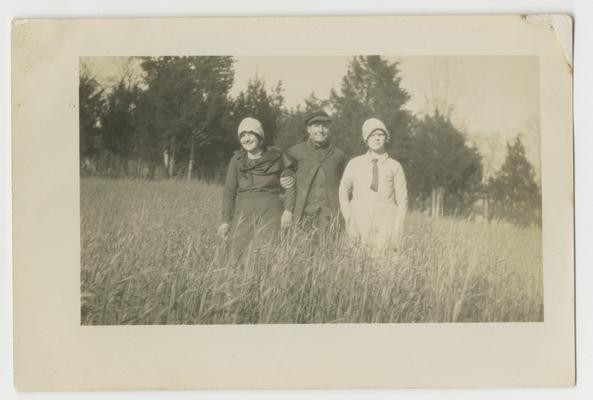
x,y
65,356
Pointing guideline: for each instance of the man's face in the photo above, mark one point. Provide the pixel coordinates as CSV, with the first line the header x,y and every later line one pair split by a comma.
x,y
376,140
319,132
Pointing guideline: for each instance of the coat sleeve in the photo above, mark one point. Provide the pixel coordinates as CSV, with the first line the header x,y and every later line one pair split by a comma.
x,y
344,162
291,153
290,193
229,194
345,190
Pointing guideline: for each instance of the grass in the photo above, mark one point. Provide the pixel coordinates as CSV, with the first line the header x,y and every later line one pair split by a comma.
x,y
150,255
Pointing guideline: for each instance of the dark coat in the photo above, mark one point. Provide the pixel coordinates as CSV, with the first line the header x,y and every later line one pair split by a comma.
x,y
309,160
250,180
253,199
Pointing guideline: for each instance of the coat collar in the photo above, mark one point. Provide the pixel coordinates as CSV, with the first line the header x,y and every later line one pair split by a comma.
x,y
320,153
263,165
316,146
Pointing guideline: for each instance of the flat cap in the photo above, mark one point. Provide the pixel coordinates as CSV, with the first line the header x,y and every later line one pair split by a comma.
x,y
317,116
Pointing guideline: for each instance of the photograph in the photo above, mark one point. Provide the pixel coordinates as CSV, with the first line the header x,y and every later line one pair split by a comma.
x,y
345,202
310,189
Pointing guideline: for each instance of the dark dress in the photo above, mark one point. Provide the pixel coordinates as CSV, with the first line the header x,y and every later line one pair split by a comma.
x,y
253,200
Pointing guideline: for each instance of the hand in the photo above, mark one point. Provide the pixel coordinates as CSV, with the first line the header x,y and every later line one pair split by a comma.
x,y
223,230
287,182
286,219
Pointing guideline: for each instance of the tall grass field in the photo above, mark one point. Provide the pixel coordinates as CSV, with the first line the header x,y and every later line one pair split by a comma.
x,y
150,255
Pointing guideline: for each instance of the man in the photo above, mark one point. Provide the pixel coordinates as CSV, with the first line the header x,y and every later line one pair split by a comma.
x,y
318,171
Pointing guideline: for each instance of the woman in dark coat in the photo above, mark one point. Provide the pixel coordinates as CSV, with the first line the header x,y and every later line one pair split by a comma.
x,y
254,205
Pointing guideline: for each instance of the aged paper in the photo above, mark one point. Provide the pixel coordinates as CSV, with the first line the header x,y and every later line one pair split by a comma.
x,y
54,352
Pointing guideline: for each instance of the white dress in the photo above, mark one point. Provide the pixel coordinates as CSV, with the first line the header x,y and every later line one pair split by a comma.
x,y
374,217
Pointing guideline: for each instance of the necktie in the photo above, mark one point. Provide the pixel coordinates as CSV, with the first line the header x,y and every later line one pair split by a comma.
x,y
375,183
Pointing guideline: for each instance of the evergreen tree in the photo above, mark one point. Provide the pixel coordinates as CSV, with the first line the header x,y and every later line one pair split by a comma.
x,y
90,109
371,88
186,109
513,193
442,167
257,102
119,121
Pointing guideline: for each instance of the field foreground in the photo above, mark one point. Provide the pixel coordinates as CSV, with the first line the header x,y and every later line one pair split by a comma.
x,y
150,255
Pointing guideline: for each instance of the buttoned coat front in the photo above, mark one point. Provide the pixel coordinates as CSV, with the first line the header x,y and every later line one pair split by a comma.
x,y
309,160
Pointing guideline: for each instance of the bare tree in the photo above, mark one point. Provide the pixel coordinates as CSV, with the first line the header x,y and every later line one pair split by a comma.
x,y
442,92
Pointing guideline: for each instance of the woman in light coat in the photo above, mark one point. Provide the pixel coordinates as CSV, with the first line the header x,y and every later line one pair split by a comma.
x,y
373,194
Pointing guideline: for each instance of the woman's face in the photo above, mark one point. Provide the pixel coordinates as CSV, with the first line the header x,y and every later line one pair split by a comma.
x,y
250,141
376,140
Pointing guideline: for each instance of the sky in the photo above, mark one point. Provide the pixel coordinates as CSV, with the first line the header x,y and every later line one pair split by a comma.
x,y
493,98
492,94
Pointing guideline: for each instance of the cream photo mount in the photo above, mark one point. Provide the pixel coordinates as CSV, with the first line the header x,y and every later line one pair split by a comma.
x,y
52,351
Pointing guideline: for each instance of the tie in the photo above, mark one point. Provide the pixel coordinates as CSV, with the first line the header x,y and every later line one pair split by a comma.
x,y
375,183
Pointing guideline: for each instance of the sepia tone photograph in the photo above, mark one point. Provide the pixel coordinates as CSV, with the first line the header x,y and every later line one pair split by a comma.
x,y
221,208
310,189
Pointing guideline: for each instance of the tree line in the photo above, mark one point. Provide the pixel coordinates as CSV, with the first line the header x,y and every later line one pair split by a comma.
x,y
178,121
